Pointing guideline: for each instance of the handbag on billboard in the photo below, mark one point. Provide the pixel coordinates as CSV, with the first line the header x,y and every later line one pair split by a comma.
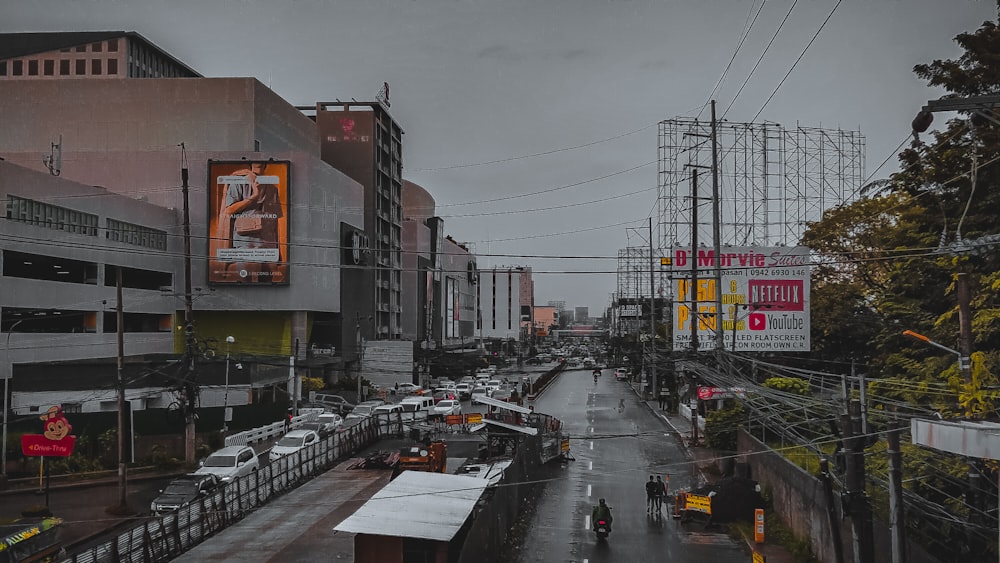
x,y
247,225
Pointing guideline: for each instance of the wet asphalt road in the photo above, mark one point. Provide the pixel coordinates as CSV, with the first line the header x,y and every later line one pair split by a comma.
x,y
615,453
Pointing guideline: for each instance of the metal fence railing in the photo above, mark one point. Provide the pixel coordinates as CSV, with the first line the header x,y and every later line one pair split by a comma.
x,y
271,430
164,538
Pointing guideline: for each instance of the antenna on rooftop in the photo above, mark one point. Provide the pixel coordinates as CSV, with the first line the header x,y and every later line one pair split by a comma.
x,y
54,160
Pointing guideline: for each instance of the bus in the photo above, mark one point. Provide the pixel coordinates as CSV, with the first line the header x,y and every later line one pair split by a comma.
x,y
29,539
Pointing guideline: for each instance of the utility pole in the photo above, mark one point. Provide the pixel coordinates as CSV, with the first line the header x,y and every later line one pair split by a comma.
x,y
717,235
896,524
692,289
824,473
858,505
652,316
964,324
294,383
120,385
189,390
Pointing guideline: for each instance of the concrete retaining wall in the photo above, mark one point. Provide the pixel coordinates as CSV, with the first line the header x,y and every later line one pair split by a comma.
x,y
798,499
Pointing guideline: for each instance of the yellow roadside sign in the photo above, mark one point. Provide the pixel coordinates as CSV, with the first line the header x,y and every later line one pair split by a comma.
x,y
564,445
474,418
699,503
759,558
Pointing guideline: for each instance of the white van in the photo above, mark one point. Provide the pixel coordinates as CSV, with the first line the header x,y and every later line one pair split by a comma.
x,y
416,408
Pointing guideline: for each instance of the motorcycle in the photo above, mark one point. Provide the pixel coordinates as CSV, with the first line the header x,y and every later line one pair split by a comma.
x,y
595,378
602,529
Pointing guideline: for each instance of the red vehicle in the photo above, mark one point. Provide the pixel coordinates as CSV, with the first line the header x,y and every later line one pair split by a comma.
x,y
444,396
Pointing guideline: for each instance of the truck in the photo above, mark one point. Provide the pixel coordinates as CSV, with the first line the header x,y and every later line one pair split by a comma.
x,y
423,457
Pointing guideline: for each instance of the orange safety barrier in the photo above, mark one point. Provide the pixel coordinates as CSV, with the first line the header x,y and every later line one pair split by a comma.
x,y
678,504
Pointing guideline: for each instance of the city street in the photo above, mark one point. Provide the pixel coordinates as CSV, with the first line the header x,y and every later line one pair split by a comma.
x,y
615,453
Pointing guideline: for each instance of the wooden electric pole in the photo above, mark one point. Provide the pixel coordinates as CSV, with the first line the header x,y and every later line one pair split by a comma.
x,y
189,389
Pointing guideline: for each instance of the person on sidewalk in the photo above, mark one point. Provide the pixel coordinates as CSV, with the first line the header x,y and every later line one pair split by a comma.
x,y
650,494
662,400
661,492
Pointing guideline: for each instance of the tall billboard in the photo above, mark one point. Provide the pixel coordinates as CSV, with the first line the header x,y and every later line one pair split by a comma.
x,y
248,222
764,293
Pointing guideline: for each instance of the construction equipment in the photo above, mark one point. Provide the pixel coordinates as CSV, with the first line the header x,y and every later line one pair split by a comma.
x,y
430,457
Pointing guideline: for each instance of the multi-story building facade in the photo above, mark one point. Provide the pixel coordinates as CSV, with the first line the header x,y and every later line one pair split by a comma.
x,y
363,141
131,134
500,303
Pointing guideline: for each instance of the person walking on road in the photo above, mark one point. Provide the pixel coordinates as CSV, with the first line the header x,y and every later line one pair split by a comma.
x,y
661,491
662,399
650,494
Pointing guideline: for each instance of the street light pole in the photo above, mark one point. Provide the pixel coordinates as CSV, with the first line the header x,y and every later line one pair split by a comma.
x,y
963,360
225,401
6,394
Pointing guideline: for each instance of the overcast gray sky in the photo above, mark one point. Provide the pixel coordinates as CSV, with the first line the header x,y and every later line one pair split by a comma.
x,y
479,81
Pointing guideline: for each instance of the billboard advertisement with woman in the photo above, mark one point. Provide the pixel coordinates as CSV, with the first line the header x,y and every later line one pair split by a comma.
x,y
248,222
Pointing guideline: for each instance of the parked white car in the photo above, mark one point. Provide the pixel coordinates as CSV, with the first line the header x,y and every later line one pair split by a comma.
x,y
446,407
479,391
464,391
408,389
230,462
493,385
387,412
365,409
292,442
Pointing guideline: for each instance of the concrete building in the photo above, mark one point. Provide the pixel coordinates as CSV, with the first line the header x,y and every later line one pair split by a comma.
x,y
582,315
544,319
130,134
363,141
500,303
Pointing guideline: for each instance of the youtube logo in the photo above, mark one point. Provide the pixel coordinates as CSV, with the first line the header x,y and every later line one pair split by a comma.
x,y
757,321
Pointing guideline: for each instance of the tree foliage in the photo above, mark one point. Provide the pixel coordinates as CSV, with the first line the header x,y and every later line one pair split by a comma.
x,y
888,262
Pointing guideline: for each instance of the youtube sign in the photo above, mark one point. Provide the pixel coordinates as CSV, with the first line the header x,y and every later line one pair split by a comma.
x,y
757,321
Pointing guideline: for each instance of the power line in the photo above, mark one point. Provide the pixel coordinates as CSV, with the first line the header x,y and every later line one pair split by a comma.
x,y
761,58
802,54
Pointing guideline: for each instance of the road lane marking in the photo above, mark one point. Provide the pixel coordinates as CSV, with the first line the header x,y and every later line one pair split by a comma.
x,y
591,444
590,465
589,490
586,522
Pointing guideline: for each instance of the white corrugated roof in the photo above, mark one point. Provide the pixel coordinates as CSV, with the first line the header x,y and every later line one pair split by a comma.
x,y
522,429
417,504
503,405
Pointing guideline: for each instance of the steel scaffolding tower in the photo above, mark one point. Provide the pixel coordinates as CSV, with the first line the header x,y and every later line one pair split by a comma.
x,y
772,180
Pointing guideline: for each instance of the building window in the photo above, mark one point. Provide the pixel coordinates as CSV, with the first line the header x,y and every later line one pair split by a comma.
x,y
18,68
96,48
66,50
136,235
81,67
95,67
3,68
112,66
33,68
50,216
113,45
64,68
50,67
81,48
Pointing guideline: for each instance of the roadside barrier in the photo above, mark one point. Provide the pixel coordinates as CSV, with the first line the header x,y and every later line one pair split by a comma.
x,y
164,538
262,433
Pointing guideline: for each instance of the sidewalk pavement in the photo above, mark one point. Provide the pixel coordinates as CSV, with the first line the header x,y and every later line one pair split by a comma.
x,y
706,464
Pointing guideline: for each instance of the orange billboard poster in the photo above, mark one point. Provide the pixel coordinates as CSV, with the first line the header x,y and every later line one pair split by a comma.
x,y
248,222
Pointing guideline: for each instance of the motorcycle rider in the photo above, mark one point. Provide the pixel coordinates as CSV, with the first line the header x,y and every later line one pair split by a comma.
x,y
601,512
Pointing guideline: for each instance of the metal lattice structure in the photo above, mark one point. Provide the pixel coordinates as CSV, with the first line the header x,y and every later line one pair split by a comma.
x,y
772,180
633,273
